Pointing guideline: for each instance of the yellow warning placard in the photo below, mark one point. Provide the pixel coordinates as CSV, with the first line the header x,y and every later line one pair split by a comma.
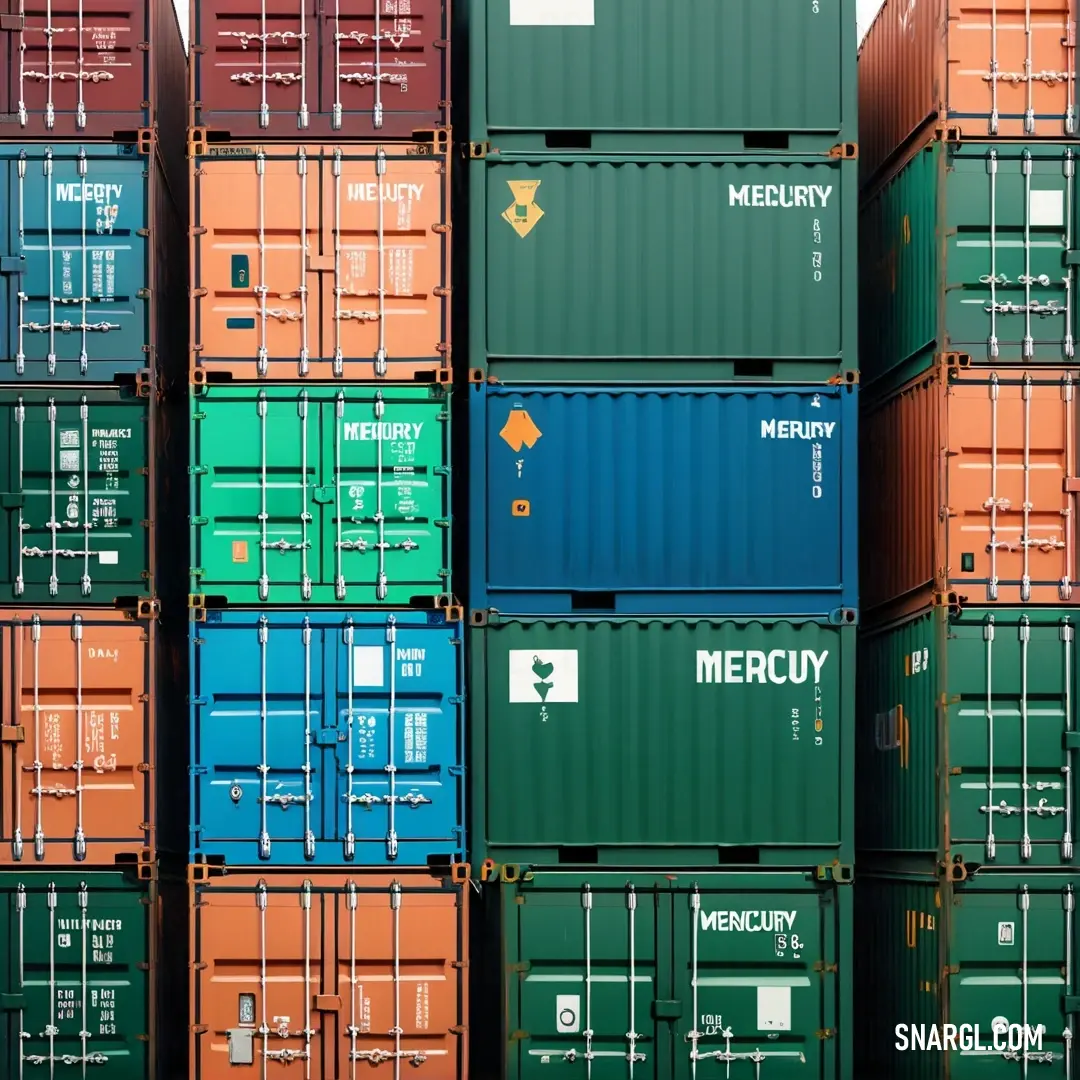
x,y
519,430
523,213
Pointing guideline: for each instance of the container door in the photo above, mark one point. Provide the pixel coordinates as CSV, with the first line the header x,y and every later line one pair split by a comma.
x,y
594,984
385,527
74,266
75,695
398,746
1012,969
1013,787
264,743
752,980
400,979
75,967
76,499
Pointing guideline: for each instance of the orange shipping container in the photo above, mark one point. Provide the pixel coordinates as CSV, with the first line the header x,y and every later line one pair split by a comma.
x,y
321,262
77,738
340,971
970,488
986,67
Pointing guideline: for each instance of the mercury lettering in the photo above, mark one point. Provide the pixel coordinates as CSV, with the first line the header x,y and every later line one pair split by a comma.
x,y
778,195
82,192
91,924
797,429
110,433
749,922
778,666
390,192
373,430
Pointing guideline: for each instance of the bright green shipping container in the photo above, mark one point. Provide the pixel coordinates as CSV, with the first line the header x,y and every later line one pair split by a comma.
x,y
997,951
662,741
970,249
674,267
686,75
78,959
942,775
670,976
77,472
322,494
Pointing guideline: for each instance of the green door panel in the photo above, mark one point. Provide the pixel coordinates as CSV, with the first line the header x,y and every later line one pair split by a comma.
x,y
740,969
943,775
75,495
76,954
328,494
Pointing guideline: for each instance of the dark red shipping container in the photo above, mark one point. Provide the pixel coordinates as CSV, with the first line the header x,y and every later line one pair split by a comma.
x,y
364,69
90,69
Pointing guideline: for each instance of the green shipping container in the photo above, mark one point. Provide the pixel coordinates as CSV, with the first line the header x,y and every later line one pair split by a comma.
x,y
969,249
940,773
78,470
613,268
686,75
328,494
997,952
662,741
671,976
78,956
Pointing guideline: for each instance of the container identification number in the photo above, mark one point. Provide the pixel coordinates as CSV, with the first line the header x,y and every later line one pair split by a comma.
x,y
816,455
816,255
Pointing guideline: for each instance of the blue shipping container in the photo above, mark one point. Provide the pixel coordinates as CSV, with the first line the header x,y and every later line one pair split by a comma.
x,y
649,500
326,739
74,271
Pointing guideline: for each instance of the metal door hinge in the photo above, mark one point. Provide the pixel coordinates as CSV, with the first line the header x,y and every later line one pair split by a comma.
x,y
1070,740
1071,484
1071,1003
12,264
327,1003
13,24
12,733
199,1029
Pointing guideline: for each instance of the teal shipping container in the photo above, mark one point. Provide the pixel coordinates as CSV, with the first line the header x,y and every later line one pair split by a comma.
x,y
668,976
661,741
664,268
967,737
971,249
995,956
686,75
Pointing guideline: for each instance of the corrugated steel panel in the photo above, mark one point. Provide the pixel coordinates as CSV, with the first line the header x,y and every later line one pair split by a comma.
x,y
932,762
686,75
747,968
1006,68
710,286
639,742
966,250
78,476
998,450
79,737
324,495
85,287
326,738
999,945
581,499
368,70
354,955
363,228
80,978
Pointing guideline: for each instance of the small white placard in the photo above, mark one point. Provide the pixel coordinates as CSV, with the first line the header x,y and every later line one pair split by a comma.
x,y
552,13
1006,933
545,677
367,665
109,558
567,1013
1047,208
774,1008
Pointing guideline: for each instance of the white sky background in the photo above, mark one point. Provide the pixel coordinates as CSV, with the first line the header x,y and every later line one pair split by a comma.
x,y
865,12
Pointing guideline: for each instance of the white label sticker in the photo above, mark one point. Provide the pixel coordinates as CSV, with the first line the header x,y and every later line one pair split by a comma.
x,y
1006,933
69,460
368,663
1047,208
109,558
567,1013
552,13
544,677
774,1008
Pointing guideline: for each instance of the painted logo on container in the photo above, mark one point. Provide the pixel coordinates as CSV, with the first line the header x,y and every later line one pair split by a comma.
x,y
544,677
86,192
778,666
523,214
372,429
785,195
798,429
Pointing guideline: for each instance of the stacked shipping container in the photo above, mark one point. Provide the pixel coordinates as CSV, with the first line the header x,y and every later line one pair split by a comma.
x,y
662,500
966,737
89,196
326,649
